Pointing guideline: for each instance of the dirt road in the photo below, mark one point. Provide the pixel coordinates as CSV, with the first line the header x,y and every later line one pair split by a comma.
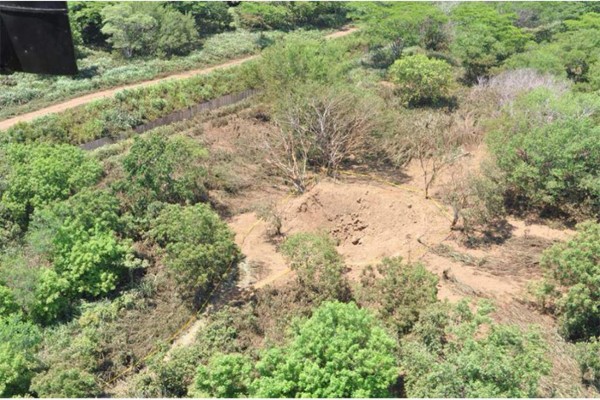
x,y
88,98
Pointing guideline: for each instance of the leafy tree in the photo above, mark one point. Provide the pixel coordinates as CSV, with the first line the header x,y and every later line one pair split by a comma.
x,y
572,53
8,304
40,174
177,33
465,354
484,37
87,18
78,236
319,267
210,16
65,382
199,247
341,351
551,164
420,79
19,341
298,60
225,376
163,169
147,29
290,15
398,292
408,23
571,282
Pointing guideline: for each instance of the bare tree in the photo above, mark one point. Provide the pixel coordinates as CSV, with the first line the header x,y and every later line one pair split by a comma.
x,y
320,128
287,151
433,144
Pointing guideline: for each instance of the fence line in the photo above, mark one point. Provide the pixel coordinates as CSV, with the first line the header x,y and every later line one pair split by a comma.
x,y
176,116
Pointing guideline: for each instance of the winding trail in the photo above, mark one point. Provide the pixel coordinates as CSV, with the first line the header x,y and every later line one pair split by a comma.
x,y
88,98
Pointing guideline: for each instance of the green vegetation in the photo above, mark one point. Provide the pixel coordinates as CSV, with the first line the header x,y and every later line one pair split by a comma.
x,y
450,356
571,283
318,265
551,164
399,292
198,246
332,354
38,175
19,341
421,80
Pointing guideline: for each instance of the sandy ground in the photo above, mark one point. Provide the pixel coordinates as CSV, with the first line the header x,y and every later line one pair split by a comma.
x,y
56,108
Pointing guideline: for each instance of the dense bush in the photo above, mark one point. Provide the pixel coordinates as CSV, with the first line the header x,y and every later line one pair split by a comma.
x,y
484,37
319,267
588,357
66,382
398,292
210,16
8,304
40,174
301,60
198,246
464,354
548,146
421,80
571,282
225,376
408,23
341,351
572,53
142,29
19,341
162,169
290,15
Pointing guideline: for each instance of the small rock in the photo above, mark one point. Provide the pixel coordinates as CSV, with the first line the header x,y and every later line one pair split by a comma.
x,y
356,241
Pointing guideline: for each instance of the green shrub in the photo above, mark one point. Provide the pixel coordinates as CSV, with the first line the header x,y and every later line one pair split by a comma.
x,y
19,341
199,247
571,282
299,60
319,267
421,80
398,292
210,17
65,382
286,16
588,357
79,238
158,168
408,23
40,174
548,146
341,351
226,375
484,37
465,354
8,304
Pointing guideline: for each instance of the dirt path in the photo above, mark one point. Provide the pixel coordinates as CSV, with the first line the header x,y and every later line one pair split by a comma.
x,y
56,108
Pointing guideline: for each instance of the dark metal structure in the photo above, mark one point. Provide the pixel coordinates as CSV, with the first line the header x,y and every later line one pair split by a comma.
x,y
36,37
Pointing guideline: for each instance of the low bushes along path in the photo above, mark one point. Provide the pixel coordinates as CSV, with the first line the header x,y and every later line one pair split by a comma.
x,y
88,98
